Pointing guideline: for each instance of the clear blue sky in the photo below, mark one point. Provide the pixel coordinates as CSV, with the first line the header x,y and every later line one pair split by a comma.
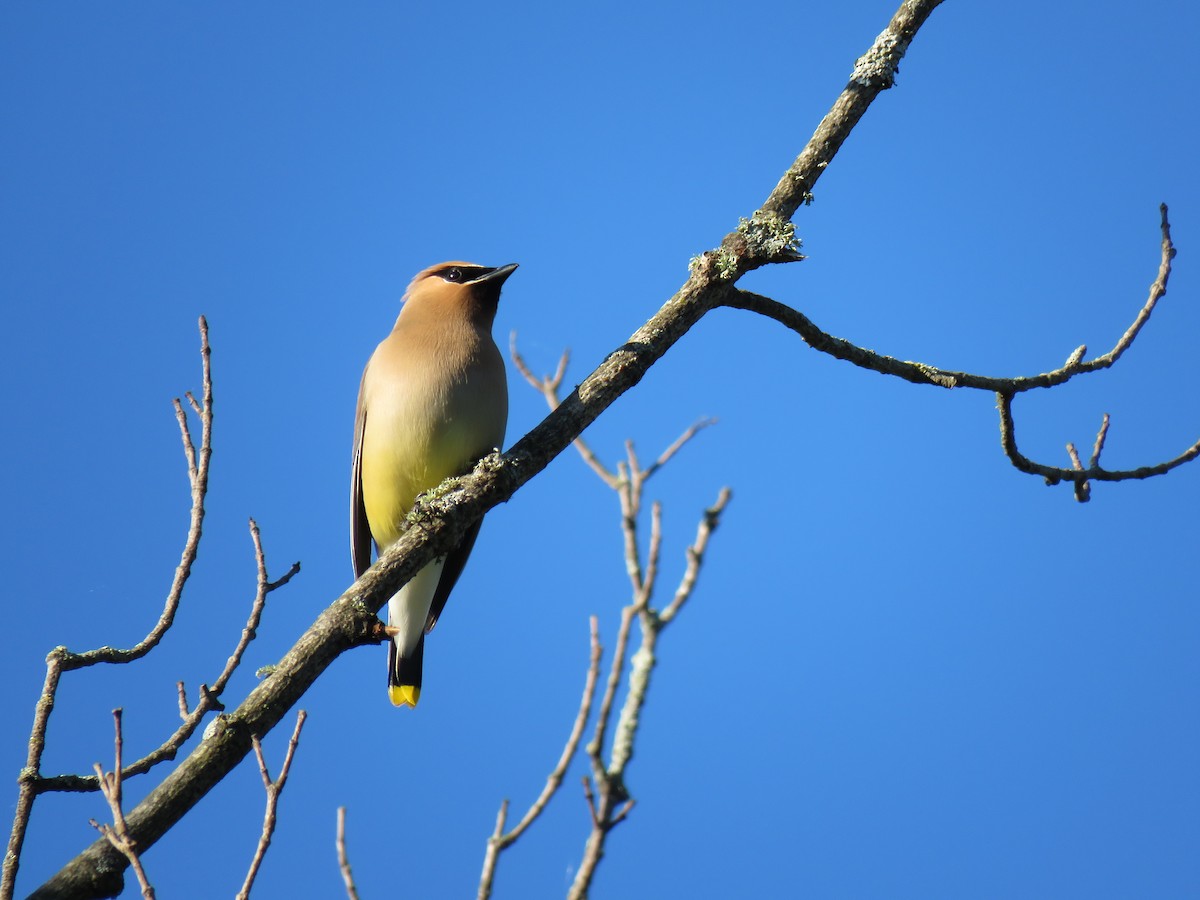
x,y
908,671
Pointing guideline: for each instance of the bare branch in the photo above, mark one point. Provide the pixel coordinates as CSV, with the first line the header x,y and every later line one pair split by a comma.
x,y
590,798
62,660
273,789
629,490
665,457
1083,490
209,698
873,73
653,555
183,703
117,834
595,747
548,387
1098,446
499,840
198,463
29,775
343,858
921,373
695,555
585,709
1055,474
265,586
614,802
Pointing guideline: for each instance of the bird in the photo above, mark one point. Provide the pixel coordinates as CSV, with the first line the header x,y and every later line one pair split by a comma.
x,y
432,402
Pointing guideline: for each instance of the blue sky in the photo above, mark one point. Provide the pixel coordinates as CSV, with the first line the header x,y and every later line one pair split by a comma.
x,y
908,671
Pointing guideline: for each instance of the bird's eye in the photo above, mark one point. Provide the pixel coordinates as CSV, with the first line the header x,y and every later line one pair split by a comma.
x,y
454,273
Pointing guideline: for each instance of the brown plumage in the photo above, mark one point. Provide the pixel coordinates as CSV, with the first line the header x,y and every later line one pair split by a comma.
x,y
432,402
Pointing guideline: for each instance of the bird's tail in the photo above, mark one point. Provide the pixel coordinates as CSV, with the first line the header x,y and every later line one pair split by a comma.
x,y
404,674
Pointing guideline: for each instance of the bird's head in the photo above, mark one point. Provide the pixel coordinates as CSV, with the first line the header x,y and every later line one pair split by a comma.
x,y
457,288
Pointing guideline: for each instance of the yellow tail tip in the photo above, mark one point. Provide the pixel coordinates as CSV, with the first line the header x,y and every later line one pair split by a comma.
x,y
404,695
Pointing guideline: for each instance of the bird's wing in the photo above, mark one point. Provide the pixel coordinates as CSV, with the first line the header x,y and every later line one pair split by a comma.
x,y
360,528
455,560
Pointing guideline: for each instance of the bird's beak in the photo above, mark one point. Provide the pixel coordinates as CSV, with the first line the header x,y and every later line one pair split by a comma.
x,y
497,275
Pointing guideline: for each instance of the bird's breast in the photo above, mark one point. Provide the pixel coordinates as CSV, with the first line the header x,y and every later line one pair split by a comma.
x,y
424,424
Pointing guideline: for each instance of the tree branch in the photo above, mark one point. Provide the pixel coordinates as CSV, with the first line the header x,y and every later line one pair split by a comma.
x,y
209,698
117,834
343,858
548,386
499,841
273,789
1004,388
614,802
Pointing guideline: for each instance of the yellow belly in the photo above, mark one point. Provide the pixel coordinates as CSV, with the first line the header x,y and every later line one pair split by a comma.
x,y
393,473
404,455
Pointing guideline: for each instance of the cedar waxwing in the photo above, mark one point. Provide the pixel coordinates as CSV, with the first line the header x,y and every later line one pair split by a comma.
x,y
432,402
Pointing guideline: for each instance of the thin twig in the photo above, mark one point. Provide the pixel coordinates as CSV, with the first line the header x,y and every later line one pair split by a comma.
x,y
585,709
273,789
28,778
501,840
1083,490
1098,446
209,697
695,555
922,373
183,702
1056,474
117,833
653,554
595,747
548,387
343,858
665,457
31,782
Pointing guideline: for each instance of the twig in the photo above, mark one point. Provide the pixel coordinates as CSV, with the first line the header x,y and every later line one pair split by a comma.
x,y
1005,388
548,386
1098,446
665,457
922,373
614,803
1056,474
273,789
1083,491
499,841
209,697
60,659
695,555
343,858
117,833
